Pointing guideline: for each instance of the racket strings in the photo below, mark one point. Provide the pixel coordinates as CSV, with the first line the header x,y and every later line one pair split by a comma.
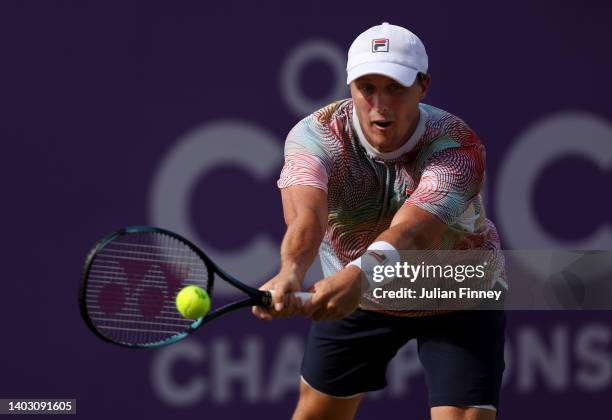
x,y
132,286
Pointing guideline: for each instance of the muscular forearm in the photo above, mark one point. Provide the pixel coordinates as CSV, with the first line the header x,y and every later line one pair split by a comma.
x,y
414,229
407,236
300,244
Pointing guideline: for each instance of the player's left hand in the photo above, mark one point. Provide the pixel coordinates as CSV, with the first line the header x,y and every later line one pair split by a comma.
x,y
335,296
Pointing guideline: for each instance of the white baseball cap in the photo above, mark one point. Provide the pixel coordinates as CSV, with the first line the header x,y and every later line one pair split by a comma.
x,y
389,50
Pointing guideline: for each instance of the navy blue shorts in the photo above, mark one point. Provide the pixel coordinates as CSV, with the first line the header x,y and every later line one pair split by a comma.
x,y
462,354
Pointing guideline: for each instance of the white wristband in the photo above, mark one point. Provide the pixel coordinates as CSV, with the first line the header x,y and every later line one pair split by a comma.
x,y
391,254
356,263
379,253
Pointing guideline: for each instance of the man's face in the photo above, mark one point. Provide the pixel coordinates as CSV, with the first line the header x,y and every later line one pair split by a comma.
x,y
388,111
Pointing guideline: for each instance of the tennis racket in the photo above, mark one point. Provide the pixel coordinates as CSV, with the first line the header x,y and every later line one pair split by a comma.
x,y
130,282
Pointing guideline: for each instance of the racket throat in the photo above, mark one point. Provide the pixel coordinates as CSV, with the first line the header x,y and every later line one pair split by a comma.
x,y
266,299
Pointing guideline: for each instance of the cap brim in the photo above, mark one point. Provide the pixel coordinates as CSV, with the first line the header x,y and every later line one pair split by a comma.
x,y
402,74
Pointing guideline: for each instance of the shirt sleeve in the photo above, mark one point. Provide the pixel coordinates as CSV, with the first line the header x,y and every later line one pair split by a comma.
x,y
306,160
450,180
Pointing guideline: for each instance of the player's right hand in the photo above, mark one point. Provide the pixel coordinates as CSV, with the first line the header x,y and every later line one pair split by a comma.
x,y
284,304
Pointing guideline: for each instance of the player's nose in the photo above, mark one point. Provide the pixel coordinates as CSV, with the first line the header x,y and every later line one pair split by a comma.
x,y
380,104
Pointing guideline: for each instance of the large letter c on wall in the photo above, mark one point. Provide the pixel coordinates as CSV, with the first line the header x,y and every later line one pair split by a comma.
x,y
544,142
222,142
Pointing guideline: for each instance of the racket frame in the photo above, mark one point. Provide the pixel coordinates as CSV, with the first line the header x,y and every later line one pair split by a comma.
x,y
255,297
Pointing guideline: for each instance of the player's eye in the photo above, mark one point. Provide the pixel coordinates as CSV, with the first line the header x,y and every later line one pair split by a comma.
x,y
367,89
395,88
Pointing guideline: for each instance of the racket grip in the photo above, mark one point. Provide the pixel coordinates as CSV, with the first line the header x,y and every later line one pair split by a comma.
x,y
304,297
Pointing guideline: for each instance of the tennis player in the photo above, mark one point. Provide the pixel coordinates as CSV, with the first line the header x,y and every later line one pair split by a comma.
x,y
383,171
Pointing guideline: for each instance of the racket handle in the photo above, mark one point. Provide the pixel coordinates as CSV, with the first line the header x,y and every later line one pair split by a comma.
x,y
304,297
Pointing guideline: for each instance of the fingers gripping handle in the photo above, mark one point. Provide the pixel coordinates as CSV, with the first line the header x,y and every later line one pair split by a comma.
x,y
304,297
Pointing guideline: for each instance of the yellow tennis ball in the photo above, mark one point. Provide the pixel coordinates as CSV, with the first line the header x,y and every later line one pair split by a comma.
x,y
192,302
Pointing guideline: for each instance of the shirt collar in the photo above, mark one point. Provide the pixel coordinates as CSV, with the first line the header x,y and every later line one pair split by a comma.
x,y
403,149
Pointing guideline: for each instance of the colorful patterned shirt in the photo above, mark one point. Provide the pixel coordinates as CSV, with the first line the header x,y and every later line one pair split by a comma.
x,y
440,169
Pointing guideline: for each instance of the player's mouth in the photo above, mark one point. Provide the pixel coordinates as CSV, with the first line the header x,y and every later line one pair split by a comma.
x,y
382,124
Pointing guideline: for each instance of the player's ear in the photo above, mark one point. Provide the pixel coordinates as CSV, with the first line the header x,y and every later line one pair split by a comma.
x,y
423,79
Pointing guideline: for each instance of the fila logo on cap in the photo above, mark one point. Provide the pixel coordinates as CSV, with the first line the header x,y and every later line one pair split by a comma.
x,y
380,45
